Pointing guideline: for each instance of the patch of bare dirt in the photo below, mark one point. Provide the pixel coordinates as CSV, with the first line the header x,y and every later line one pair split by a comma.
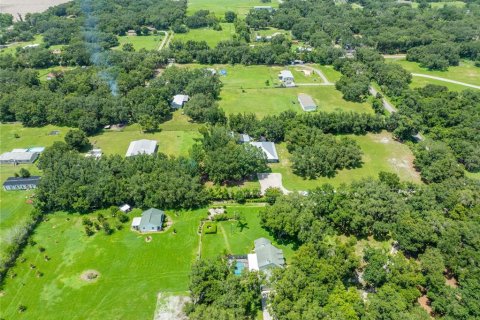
x,y
425,304
90,275
170,307
148,239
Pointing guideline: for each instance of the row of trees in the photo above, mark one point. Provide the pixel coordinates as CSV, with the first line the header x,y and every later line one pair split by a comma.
x,y
435,224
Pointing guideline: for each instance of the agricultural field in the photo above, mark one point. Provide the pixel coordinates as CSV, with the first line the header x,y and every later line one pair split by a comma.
x,y
380,153
466,72
150,42
130,266
252,89
219,7
212,37
174,138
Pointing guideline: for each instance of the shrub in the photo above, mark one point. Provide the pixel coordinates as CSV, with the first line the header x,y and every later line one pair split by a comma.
x,y
210,228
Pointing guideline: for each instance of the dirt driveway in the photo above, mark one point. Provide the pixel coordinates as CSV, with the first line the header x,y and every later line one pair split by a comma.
x,y
271,180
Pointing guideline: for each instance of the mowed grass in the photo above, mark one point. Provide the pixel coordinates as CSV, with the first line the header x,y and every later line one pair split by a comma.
x,y
132,271
329,72
38,39
380,153
466,72
252,89
219,7
175,137
42,73
150,42
211,36
232,238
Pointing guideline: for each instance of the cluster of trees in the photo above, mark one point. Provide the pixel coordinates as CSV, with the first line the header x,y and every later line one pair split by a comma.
x,y
315,154
278,51
217,293
451,120
203,108
435,56
223,160
74,183
435,224
388,26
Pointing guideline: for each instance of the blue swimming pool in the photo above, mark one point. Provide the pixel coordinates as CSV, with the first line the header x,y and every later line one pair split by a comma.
x,y
239,267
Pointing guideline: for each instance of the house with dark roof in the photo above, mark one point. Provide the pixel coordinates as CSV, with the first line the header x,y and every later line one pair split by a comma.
x,y
266,256
268,149
19,183
150,221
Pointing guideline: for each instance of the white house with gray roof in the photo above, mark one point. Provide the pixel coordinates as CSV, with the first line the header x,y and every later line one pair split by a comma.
x,y
286,77
306,102
150,221
143,146
268,149
265,257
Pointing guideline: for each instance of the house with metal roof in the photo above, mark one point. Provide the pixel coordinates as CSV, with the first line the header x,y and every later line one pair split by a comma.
x,y
268,149
306,102
244,138
17,156
268,8
150,221
286,77
143,146
179,100
266,256
19,183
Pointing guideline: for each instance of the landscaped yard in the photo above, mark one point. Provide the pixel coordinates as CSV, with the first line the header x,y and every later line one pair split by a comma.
x,y
465,72
211,36
150,42
241,7
380,153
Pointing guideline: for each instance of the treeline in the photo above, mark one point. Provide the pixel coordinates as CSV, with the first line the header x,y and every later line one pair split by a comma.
x,y
66,23
72,182
90,98
434,225
388,26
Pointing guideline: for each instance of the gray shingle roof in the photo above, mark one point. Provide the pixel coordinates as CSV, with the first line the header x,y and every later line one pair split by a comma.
x,y
306,102
152,218
268,255
141,147
268,148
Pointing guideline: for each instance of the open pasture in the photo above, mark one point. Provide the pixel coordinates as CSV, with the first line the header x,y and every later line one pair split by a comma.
x,y
380,153
219,7
150,42
212,37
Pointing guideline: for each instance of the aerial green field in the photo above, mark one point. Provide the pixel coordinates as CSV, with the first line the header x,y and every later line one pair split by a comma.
x,y
130,268
38,39
441,4
380,153
271,32
331,74
211,36
419,82
466,72
42,73
150,42
252,89
219,7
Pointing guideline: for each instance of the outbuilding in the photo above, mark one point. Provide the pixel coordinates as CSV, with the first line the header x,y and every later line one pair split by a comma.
x,y
286,77
19,183
125,208
143,146
306,102
179,100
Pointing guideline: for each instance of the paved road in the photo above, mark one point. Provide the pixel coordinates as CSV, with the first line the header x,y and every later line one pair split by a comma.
x,y
320,74
445,80
387,105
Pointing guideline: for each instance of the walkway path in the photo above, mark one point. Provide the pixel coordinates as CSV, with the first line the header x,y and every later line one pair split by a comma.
x,y
165,39
445,80
387,105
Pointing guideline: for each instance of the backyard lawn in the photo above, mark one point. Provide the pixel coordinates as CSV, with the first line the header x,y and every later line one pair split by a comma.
x,y
219,7
150,42
380,153
211,36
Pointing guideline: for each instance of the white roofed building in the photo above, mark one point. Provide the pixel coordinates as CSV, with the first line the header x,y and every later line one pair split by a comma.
x,y
141,147
287,78
179,100
306,102
17,156
268,149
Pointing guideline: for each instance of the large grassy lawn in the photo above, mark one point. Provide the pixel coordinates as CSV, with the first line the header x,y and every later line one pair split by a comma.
x,y
175,137
219,7
252,89
132,271
465,72
380,153
38,39
233,238
150,42
329,72
211,36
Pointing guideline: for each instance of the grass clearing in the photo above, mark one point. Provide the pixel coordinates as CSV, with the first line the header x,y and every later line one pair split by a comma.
x,y
38,39
150,42
381,153
211,36
465,72
329,72
219,7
